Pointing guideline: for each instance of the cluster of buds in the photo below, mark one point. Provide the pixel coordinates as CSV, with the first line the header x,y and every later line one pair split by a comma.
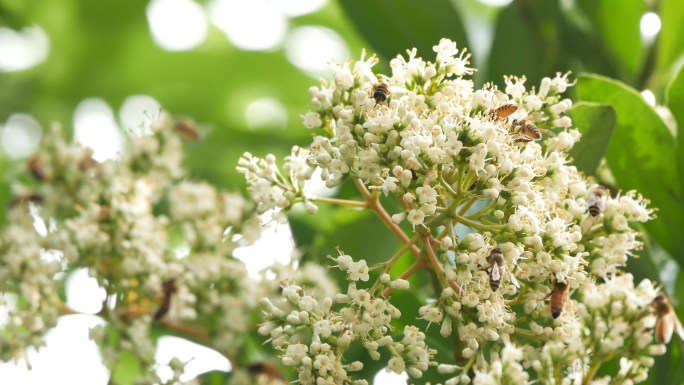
x,y
364,316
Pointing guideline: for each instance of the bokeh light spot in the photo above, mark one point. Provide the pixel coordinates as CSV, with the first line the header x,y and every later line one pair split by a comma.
x,y
648,95
200,358
24,49
137,112
20,136
49,366
95,127
384,378
275,245
312,48
83,293
177,25
266,113
496,3
650,25
253,25
294,8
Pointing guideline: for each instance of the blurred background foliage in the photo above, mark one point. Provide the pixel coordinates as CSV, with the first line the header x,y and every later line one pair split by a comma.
x,y
241,70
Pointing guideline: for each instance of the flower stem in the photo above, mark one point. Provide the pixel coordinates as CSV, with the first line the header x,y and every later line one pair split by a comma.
x,y
417,265
595,366
342,202
374,204
475,225
466,206
439,269
387,266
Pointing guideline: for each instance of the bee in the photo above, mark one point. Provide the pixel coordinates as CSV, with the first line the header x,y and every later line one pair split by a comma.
x,y
597,200
33,197
169,287
35,164
105,213
187,129
381,91
667,321
506,109
526,129
497,268
559,297
87,160
266,373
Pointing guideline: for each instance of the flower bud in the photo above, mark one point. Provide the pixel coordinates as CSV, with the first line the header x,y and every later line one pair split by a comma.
x,y
446,243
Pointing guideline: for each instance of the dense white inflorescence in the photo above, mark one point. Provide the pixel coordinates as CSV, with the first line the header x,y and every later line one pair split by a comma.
x,y
158,242
443,149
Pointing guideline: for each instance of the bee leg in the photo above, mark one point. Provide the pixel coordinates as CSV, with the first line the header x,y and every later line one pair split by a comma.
x,y
522,140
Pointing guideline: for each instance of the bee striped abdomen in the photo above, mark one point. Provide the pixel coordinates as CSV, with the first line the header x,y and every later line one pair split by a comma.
x,y
594,211
494,284
505,111
381,92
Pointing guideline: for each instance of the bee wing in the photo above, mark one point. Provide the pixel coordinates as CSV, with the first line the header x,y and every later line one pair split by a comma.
x,y
368,74
513,280
678,326
547,132
592,200
496,272
535,117
396,90
602,203
500,97
598,200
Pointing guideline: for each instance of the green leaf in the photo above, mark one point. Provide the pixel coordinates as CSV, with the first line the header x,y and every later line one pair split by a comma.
x,y
213,377
393,26
514,39
618,22
642,157
675,102
596,122
670,42
127,370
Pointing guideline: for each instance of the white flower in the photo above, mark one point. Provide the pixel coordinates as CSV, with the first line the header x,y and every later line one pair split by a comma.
x,y
416,217
358,270
396,365
312,120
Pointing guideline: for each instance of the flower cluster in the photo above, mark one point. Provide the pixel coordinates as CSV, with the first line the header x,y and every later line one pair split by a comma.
x,y
495,162
159,244
364,316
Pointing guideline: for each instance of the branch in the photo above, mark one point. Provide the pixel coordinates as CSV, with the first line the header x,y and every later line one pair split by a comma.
x,y
374,204
342,202
419,264
439,269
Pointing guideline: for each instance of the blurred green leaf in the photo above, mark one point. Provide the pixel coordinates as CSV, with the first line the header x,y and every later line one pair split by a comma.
x,y
618,23
393,26
514,39
596,122
213,377
675,102
127,370
642,156
670,42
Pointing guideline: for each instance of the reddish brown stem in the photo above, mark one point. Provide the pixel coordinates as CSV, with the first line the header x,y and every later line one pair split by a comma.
x,y
439,269
373,203
419,264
